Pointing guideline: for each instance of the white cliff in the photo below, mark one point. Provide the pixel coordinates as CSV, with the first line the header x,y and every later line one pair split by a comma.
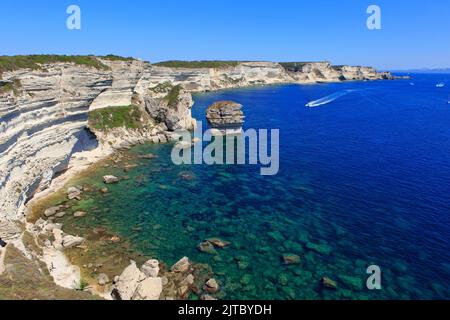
x,y
44,123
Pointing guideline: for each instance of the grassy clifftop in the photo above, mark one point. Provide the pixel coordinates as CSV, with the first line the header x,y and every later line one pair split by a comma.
x,y
34,62
217,64
115,117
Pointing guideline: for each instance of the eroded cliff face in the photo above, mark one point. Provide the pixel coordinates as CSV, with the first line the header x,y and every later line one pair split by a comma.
x,y
42,122
43,119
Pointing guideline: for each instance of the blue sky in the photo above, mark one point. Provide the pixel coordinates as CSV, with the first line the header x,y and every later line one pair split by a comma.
x,y
415,34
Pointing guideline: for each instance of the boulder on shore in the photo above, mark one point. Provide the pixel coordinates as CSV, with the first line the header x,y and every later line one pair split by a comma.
x,y
181,266
73,193
149,289
151,268
71,241
102,279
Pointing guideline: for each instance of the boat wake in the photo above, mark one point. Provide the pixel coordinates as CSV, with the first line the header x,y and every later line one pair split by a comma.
x,y
328,99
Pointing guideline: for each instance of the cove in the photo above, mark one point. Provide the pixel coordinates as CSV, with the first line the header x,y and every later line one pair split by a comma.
x,y
363,181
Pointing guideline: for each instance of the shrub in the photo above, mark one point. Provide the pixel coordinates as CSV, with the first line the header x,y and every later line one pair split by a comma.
x,y
172,97
198,64
34,62
115,117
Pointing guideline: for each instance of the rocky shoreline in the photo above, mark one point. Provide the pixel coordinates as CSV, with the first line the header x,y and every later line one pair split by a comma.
x,y
45,143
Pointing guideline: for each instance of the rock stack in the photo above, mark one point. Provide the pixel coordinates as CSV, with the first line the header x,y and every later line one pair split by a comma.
x,y
225,116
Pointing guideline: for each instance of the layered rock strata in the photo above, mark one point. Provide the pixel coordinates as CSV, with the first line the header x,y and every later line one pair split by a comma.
x,y
225,116
44,119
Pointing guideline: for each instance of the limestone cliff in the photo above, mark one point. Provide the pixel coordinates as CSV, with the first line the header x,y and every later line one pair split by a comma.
x,y
44,111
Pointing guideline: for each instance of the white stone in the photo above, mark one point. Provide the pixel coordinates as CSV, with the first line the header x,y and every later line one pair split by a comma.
x,y
149,289
128,281
151,268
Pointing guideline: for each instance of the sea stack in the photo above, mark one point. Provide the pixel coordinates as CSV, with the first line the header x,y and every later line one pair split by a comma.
x,y
225,117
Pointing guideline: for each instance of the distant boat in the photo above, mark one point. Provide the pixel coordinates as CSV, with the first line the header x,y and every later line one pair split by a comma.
x,y
412,84
440,85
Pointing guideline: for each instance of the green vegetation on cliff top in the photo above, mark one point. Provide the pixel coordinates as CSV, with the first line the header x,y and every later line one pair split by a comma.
x,y
11,63
115,117
172,97
34,62
113,57
217,64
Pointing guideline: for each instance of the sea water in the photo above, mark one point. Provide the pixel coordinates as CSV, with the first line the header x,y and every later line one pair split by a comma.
x,y
364,180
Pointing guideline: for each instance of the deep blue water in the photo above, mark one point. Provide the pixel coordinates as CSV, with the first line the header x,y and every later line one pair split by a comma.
x,y
366,178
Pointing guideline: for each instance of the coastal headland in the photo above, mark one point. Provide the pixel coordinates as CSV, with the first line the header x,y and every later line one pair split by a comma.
x,y
59,115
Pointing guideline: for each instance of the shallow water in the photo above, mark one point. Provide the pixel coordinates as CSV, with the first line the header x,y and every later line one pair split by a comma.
x,y
363,180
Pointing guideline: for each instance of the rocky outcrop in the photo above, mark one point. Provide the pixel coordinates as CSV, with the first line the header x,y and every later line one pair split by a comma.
x,y
225,115
44,121
135,284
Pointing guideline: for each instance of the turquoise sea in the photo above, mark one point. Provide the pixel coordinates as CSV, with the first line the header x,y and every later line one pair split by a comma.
x,y
364,180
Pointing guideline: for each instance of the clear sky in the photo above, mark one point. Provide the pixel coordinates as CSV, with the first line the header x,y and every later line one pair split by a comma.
x,y
415,33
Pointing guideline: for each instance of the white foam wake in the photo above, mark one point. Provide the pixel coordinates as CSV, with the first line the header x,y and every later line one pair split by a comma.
x,y
328,99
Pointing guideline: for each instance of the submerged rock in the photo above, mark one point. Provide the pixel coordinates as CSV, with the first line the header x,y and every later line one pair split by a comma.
x,y
319,248
110,179
148,156
328,283
73,193
79,214
353,283
283,279
290,258
219,243
206,247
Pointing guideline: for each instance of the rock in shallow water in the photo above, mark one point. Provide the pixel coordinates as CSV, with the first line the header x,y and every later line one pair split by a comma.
x,y
207,247
79,214
219,243
328,283
181,266
211,286
73,193
110,179
71,241
290,258
51,211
